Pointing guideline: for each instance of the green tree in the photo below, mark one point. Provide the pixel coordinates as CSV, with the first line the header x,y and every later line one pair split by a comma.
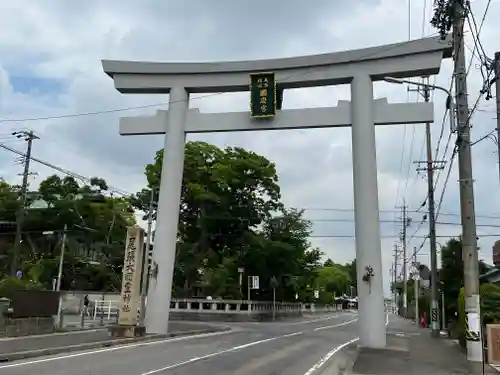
x,y
351,270
451,274
329,262
334,279
490,303
95,236
225,195
228,220
399,287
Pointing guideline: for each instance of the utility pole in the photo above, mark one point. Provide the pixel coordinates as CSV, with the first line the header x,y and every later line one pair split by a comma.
x,y
497,91
145,268
393,286
405,266
443,19
430,167
28,137
406,223
416,286
395,275
468,215
60,274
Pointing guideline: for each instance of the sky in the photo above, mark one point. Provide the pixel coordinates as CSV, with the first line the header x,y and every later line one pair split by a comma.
x,y
51,82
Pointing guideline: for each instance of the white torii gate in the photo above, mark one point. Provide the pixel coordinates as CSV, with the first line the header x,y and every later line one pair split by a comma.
x,y
359,68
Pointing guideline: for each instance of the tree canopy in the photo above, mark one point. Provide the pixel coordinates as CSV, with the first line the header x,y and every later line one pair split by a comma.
x,y
232,224
232,219
451,274
95,233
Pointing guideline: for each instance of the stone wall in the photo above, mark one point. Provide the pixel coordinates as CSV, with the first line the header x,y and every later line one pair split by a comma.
x,y
26,326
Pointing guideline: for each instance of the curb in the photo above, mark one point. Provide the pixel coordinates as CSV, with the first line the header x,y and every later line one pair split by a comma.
x,y
349,364
342,362
8,357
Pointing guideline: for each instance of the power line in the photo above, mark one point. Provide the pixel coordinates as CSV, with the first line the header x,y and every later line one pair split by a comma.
x,y
124,193
127,194
405,126
347,236
478,46
246,218
450,165
64,171
393,236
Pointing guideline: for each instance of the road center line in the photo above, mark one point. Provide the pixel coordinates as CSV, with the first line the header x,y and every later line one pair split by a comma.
x,y
336,325
239,347
317,319
230,350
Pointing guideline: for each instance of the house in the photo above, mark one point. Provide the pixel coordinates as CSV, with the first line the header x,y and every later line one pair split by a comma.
x,y
490,277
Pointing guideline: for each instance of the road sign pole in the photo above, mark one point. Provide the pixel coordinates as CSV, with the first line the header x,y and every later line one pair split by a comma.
x,y
249,287
274,303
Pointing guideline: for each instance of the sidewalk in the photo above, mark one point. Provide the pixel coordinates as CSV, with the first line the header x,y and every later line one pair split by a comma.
x,y
412,351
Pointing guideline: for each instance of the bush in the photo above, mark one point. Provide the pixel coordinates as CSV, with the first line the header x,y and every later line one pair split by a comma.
x,y
490,309
9,284
490,303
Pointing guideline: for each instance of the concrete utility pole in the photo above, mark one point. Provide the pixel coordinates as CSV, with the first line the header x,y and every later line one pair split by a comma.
x,y
497,92
145,268
60,274
468,215
406,224
29,137
430,167
416,286
395,276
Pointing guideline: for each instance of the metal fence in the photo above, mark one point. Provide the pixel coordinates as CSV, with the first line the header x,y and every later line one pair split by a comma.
x,y
101,311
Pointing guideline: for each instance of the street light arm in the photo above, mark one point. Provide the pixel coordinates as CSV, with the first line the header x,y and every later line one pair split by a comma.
x,y
450,104
421,84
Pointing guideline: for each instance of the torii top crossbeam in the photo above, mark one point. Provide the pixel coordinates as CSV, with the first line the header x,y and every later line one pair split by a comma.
x,y
406,59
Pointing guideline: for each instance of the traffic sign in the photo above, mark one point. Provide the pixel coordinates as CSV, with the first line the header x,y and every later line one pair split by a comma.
x,y
254,282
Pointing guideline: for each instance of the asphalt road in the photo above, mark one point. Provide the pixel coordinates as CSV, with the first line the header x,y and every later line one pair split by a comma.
x,y
287,348
26,343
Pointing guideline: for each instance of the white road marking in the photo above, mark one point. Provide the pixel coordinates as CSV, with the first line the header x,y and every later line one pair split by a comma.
x,y
157,342
115,348
336,325
329,355
230,350
318,319
334,351
236,348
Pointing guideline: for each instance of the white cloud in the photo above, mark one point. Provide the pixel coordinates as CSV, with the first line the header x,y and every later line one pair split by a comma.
x,y
66,40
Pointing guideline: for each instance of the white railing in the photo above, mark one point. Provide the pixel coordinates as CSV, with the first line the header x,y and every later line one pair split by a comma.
x,y
110,308
232,306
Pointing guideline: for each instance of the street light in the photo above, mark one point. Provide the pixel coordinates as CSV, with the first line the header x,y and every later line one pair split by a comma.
x,y
450,104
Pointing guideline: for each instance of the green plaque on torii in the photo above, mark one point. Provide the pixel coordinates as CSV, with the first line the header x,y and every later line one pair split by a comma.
x,y
262,95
